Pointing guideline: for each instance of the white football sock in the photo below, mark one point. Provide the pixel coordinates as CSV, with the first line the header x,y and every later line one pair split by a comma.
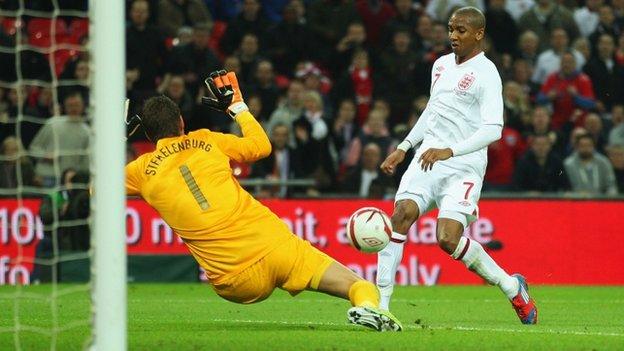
x,y
388,261
472,254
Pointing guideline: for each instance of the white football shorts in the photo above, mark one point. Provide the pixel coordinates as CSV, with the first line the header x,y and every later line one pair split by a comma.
x,y
454,192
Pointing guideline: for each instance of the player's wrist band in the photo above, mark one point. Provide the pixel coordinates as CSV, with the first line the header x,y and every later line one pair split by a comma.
x,y
237,108
404,145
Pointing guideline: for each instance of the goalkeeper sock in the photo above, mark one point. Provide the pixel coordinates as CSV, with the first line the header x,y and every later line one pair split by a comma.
x,y
472,254
364,294
388,261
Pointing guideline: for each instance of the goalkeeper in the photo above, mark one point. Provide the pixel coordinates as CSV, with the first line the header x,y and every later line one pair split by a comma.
x,y
245,249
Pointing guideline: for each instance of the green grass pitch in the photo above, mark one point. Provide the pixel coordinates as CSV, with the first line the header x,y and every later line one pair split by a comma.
x,y
191,317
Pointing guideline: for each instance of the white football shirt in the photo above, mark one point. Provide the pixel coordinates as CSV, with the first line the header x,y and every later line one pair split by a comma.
x,y
463,98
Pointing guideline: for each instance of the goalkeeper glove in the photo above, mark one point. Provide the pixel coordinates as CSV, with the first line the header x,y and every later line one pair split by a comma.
x,y
226,95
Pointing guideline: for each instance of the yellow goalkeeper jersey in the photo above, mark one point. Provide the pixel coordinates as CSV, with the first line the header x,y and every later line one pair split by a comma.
x,y
188,180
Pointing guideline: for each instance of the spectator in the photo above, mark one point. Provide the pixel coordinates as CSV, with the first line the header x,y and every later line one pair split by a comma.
x,y
328,21
399,69
357,84
528,45
374,131
502,156
606,25
248,55
173,14
540,125
78,71
517,8
344,130
311,141
375,15
44,106
517,105
16,169
608,77
71,203
439,47
289,110
68,135
194,61
616,136
314,80
618,11
176,91
264,86
145,47
582,45
312,117
249,21
282,164
619,52
233,64
539,169
353,41
549,61
595,128
567,90
289,41
367,180
522,76
586,17
406,19
423,42
501,27
616,156
546,16
588,171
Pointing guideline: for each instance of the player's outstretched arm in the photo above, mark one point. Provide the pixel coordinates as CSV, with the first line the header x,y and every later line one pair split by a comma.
x,y
227,97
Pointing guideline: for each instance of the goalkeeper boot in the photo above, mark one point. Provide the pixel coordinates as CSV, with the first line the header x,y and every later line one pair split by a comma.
x,y
374,318
523,303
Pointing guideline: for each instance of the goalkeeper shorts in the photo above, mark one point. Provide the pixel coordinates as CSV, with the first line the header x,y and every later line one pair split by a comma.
x,y
293,266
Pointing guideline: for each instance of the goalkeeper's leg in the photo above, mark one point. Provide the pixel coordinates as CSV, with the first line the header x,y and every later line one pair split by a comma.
x,y
388,259
340,281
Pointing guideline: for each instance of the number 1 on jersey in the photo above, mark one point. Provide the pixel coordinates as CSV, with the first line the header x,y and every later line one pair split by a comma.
x,y
194,188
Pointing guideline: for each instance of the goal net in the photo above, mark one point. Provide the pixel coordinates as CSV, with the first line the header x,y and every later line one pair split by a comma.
x,y
61,175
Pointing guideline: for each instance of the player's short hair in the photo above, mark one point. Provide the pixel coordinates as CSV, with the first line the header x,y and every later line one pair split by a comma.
x,y
160,118
474,15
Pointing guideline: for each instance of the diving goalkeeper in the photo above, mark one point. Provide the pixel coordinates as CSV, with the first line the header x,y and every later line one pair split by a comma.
x,y
245,249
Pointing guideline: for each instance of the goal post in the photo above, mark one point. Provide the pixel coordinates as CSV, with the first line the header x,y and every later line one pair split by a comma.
x,y
108,201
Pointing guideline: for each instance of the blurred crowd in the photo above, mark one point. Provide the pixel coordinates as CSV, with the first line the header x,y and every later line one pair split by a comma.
x,y
336,84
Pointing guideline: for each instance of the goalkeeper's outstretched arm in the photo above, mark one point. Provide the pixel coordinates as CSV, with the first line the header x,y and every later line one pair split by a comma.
x,y
254,144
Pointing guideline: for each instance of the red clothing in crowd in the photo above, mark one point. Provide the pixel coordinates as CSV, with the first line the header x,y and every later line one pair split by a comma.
x,y
363,90
565,103
374,19
502,157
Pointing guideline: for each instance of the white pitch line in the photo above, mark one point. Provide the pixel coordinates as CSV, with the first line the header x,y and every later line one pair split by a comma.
x,y
411,327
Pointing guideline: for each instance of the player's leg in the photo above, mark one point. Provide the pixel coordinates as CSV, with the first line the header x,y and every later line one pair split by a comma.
x,y
457,209
412,199
338,280
406,211
298,266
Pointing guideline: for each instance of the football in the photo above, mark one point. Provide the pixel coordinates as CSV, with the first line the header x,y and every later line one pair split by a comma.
x,y
369,229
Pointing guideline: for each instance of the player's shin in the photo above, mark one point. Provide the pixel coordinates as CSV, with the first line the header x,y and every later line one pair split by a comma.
x,y
472,254
388,261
